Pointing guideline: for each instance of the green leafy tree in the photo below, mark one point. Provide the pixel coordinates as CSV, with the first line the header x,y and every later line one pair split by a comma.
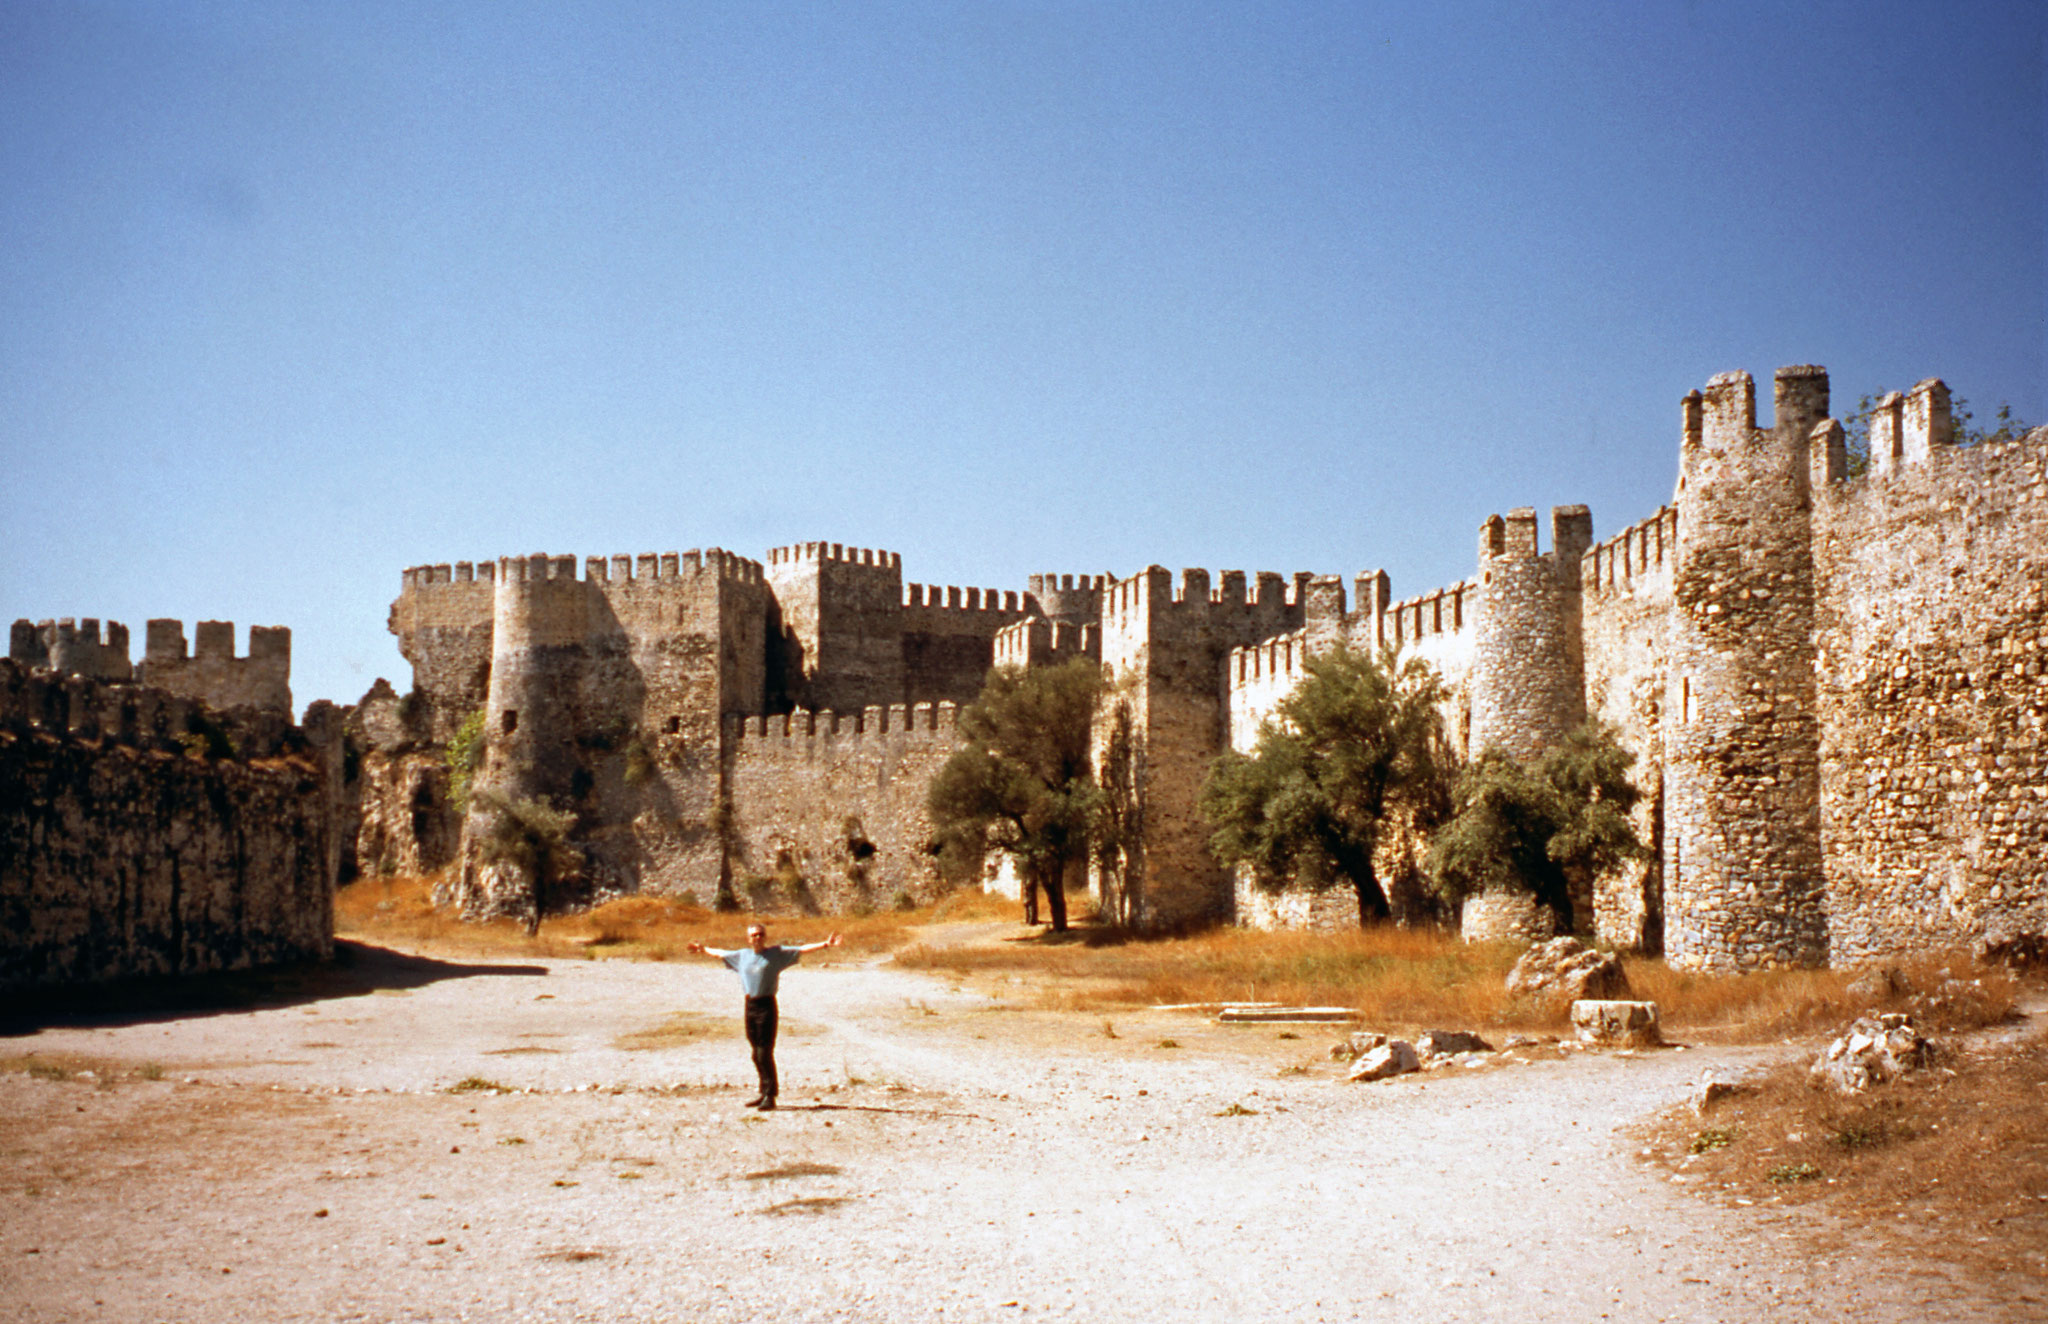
x,y
464,755
1856,430
1360,740
1539,829
1022,782
530,838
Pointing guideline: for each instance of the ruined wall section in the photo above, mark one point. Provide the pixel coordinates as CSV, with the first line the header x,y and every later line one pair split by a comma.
x,y
1165,717
1932,632
1742,859
132,845
212,674
828,810
442,618
1626,605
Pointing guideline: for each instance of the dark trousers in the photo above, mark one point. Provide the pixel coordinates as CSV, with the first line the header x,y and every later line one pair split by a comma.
x,y
761,1018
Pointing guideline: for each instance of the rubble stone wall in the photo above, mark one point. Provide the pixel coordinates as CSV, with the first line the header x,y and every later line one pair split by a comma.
x,y
828,810
1932,633
126,850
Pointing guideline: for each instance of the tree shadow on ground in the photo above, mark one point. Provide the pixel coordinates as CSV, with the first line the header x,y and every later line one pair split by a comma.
x,y
357,969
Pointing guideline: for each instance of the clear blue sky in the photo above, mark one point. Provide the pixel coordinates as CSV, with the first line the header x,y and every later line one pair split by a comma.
x,y
292,297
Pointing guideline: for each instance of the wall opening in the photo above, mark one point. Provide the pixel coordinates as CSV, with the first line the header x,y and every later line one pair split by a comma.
x,y
509,721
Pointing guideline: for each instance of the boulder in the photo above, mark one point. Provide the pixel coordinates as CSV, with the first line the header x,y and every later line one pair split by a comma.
x,y
1443,1043
1396,1057
1876,1050
1615,1021
1355,1045
1566,969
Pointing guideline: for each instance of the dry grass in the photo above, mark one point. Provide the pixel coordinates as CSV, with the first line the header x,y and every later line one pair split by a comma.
x,y
401,909
1953,1160
1389,975
1776,1004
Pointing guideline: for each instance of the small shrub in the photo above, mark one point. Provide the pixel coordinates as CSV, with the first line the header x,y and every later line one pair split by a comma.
x,y
464,756
152,1071
1713,1138
639,763
1169,1043
1237,1110
1785,1173
478,1085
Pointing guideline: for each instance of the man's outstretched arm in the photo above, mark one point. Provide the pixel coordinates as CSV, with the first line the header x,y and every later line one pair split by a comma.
x,y
832,941
699,949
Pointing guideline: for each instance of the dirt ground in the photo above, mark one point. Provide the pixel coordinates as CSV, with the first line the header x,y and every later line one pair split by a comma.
x,y
939,1154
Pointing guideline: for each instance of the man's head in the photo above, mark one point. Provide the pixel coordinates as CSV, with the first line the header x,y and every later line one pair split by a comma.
x,y
757,936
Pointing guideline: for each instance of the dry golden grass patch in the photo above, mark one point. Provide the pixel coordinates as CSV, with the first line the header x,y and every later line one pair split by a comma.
x,y
1788,1003
1953,1161
1388,975
401,909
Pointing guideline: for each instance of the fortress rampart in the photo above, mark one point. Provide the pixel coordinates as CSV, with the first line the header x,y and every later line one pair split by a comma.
x,y
73,648
132,843
1833,687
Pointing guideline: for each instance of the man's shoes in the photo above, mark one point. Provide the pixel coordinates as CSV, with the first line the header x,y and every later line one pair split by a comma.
x,y
767,1104
757,1101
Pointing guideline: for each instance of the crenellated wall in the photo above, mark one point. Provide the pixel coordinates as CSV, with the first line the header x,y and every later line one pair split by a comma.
x,y
73,648
1931,632
1165,716
212,673
829,809
133,843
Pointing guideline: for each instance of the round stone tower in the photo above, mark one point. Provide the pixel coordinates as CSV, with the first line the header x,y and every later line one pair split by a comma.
x,y
1528,679
540,633
1742,863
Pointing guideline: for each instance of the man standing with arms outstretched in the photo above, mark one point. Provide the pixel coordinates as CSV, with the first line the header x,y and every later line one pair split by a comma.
x,y
759,966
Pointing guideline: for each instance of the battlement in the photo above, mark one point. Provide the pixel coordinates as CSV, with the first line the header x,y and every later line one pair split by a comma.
x,y
658,566
935,597
1037,642
1041,585
1076,599
1440,611
1907,429
1152,590
212,672
71,647
1278,664
461,572
1642,549
1513,536
831,551
214,641
1719,423
898,721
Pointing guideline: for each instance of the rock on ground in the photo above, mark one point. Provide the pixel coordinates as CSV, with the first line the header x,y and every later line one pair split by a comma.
x,y
1566,968
1874,1051
1396,1057
1613,1021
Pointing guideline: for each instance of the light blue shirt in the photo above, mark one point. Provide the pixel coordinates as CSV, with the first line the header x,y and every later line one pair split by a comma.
x,y
759,971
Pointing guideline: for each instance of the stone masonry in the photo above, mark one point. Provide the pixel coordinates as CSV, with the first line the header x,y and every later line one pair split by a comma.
x,y
1833,687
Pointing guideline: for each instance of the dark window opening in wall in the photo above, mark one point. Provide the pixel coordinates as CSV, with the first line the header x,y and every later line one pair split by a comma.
x,y
510,721
674,726
1685,698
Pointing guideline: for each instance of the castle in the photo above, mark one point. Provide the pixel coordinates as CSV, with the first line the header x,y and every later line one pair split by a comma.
x,y
1833,685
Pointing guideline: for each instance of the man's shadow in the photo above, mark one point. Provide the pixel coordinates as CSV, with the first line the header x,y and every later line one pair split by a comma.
x,y
357,969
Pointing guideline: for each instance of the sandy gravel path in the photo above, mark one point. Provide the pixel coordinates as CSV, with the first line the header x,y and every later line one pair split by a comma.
x,y
939,1156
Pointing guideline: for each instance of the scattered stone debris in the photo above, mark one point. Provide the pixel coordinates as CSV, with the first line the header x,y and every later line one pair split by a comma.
x,y
1617,1022
1444,1043
1395,1057
1566,969
1876,1050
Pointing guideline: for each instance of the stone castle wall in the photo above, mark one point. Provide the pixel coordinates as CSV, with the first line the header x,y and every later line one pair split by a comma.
x,y
1164,718
1932,639
1626,604
130,844
828,810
